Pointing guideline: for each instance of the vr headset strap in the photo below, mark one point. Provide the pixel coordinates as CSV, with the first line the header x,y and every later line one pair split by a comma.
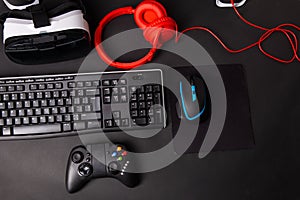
x,y
39,16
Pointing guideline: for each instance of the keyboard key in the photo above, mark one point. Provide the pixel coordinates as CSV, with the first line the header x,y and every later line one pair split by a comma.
x,y
48,95
59,118
80,84
156,88
3,89
108,123
56,94
21,113
51,119
67,118
42,86
14,97
5,97
50,86
10,105
87,108
115,99
94,125
133,106
43,119
117,122
107,99
142,105
78,109
148,88
9,122
71,85
106,83
19,104
4,113
142,113
85,100
2,106
125,122
96,83
20,88
80,93
58,86
114,82
31,96
123,90
18,121
34,120
44,103
123,98
38,111
37,129
92,92
157,98
62,110
140,121
115,91
11,88
122,82
36,104
29,112
67,127
46,111
26,120
64,94
22,96
6,131
96,104
106,91
90,116
39,95
134,113
54,110
116,114
79,126
88,84
12,113
141,97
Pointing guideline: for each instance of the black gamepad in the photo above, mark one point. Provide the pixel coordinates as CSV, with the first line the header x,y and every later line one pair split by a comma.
x,y
98,161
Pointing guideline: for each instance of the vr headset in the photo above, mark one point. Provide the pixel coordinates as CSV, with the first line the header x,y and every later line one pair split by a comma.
x,y
38,32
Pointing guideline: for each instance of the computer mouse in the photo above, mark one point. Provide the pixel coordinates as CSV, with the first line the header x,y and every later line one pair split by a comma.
x,y
193,99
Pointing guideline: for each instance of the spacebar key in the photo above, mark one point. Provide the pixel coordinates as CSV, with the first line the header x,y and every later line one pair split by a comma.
x,y
37,129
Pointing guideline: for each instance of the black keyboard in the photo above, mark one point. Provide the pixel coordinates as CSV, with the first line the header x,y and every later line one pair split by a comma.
x,y
61,105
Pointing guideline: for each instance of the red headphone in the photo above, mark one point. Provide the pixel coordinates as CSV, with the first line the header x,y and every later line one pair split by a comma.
x,y
152,18
158,28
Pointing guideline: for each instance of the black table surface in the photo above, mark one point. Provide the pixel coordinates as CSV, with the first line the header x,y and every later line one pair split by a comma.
x,y
35,169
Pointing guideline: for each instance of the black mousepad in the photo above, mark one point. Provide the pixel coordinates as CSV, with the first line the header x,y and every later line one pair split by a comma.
x,y
237,132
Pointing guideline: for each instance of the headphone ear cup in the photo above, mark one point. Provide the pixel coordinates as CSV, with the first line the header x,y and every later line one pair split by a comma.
x,y
165,27
147,12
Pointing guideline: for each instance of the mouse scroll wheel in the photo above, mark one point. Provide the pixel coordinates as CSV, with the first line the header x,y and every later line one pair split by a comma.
x,y
194,95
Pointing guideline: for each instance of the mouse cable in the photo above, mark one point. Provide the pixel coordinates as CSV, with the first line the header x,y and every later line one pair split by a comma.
x,y
282,28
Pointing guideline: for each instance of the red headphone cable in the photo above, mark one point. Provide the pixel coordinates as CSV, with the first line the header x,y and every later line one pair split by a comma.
x,y
291,36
